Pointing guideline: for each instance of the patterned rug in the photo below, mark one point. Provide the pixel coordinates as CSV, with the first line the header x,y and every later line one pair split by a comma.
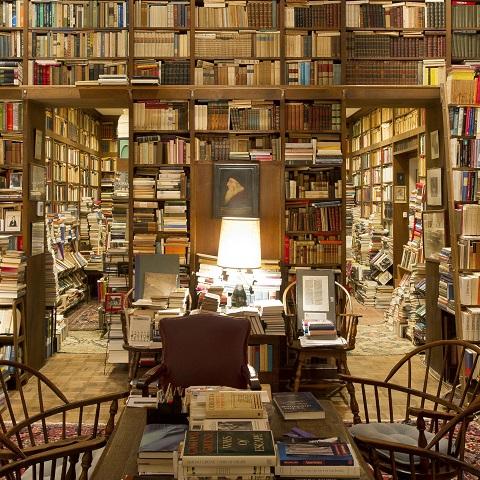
x,y
378,339
85,317
84,341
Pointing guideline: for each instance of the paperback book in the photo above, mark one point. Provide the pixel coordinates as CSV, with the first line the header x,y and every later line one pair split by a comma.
x,y
298,405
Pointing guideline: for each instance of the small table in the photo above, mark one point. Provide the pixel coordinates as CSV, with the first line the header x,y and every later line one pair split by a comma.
x,y
120,455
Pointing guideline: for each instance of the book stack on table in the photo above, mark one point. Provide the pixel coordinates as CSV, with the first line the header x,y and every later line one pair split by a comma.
x,y
301,454
233,440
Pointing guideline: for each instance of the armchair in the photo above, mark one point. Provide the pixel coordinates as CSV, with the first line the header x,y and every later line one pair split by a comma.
x,y
203,349
394,410
82,426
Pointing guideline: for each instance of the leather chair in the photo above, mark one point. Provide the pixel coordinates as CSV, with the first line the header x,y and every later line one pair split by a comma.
x,y
203,349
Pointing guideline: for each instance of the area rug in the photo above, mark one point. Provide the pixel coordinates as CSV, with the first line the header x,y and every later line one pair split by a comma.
x,y
380,340
85,317
84,341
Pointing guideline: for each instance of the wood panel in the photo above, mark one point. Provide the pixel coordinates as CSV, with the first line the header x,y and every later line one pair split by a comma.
x,y
35,327
207,228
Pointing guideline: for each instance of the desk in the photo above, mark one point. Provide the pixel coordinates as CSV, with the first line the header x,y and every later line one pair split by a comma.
x,y
120,455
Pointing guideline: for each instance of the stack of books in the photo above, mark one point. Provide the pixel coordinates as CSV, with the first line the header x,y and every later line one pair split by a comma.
x,y
157,447
320,330
271,313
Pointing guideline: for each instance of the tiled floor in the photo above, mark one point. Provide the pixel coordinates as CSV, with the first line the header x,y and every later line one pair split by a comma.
x,y
84,375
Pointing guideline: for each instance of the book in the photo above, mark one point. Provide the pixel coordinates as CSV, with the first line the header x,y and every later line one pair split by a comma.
x,y
227,447
234,404
160,440
230,424
298,405
314,452
333,458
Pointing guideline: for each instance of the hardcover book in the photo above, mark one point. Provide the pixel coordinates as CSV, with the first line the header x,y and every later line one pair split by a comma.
x,y
234,404
160,440
314,452
298,405
227,447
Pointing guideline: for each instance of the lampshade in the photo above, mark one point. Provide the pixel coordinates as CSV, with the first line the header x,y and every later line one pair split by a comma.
x,y
239,244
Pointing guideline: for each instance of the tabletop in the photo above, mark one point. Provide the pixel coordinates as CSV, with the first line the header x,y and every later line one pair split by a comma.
x,y
120,455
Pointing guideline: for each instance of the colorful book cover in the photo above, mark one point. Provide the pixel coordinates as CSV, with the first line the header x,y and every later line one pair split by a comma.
x,y
314,452
298,405
233,447
159,437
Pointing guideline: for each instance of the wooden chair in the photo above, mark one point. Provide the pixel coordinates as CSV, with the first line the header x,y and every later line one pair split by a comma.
x,y
440,456
134,352
25,420
346,328
391,407
203,349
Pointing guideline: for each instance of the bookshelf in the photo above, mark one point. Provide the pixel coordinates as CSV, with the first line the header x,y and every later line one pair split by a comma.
x,y
460,110
387,158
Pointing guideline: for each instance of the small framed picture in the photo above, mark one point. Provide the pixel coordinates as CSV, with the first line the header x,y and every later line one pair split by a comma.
x,y
114,302
434,145
400,194
15,180
37,182
37,153
13,220
40,209
434,236
434,187
236,190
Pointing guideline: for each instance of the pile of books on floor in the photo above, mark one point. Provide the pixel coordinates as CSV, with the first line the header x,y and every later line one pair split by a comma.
x,y
178,298
366,292
383,296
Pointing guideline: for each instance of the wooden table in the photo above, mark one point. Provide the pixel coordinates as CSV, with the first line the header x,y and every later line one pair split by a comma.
x,y
120,455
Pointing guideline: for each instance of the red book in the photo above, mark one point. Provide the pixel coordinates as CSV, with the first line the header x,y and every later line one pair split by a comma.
x,y
9,117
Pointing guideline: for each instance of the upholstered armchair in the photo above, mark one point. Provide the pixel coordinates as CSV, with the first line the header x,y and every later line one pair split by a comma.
x,y
203,349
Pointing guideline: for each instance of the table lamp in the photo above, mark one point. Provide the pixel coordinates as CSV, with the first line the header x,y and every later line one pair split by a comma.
x,y
239,249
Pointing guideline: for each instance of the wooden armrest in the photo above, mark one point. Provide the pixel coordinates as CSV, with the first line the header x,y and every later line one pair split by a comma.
x,y
428,413
66,408
56,453
147,378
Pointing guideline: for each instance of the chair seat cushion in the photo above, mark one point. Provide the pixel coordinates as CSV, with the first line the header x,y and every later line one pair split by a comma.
x,y
401,433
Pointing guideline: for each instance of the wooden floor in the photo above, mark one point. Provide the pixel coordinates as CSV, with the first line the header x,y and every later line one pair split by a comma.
x,y
81,376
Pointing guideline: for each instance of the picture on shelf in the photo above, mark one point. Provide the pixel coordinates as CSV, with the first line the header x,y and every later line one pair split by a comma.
x,y
13,220
434,145
38,144
433,232
400,194
236,190
434,187
15,180
114,302
37,182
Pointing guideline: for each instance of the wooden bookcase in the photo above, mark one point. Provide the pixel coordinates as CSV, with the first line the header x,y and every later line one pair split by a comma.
x,y
273,43
381,144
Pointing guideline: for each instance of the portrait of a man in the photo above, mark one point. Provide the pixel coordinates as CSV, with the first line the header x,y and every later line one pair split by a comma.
x,y
236,190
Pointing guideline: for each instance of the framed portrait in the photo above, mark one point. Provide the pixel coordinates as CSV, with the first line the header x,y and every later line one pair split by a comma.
x,y
13,220
434,145
400,194
434,236
114,302
434,187
37,182
236,190
15,180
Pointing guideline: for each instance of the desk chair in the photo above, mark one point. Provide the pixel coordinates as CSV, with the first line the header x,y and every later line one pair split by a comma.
x,y
203,349
134,352
346,328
